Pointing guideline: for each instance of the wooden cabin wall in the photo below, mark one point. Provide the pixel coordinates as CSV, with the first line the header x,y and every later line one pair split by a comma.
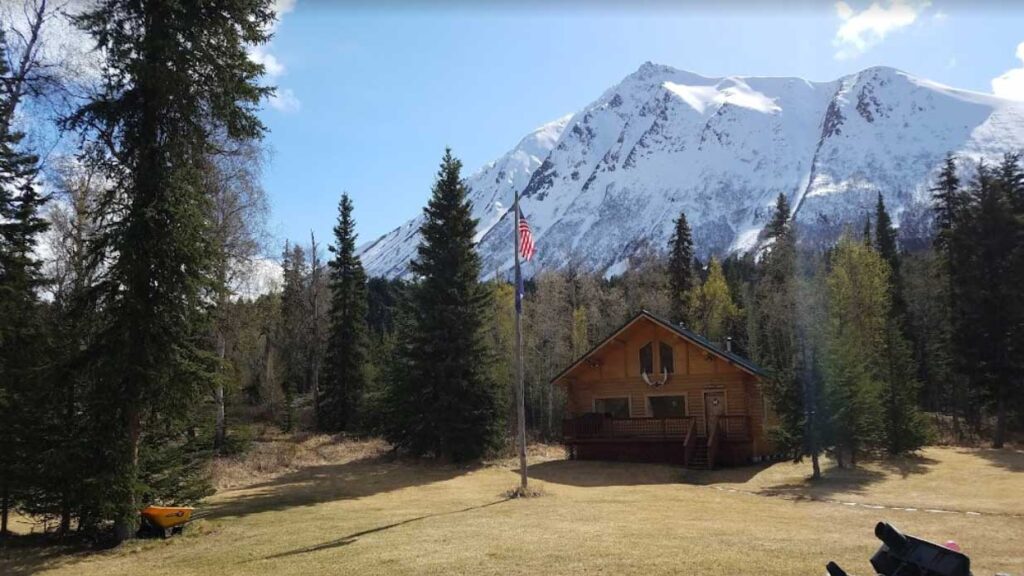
x,y
615,372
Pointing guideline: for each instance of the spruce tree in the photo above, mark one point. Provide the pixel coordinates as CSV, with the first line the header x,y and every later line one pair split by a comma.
x,y
904,425
985,324
293,336
780,223
949,201
777,343
680,269
444,400
347,349
21,328
1011,178
175,73
950,209
886,245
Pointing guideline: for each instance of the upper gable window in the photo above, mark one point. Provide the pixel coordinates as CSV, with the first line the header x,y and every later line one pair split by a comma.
x,y
667,360
647,358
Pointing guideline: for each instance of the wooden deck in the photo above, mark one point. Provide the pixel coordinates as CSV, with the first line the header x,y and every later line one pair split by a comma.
x,y
673,440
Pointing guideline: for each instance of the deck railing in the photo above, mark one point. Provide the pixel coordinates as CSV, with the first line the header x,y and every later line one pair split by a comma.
x,y
730,428
598,426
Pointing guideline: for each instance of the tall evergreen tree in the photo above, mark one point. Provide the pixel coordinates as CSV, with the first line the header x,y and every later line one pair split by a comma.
x,y
949,201
1011,177
445,401
293,333
347,349
174,74
950,208
777,343
780,223
887,247
21,339
985,324
62,479
904,426
680,269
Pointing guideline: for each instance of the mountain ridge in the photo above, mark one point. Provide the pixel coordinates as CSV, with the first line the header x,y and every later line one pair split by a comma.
x,y
603,183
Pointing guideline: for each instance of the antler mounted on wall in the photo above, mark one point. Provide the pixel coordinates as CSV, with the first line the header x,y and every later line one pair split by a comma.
x,y
656,383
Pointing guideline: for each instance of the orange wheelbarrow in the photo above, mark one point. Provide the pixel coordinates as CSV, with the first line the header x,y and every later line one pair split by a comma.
x,y
164,520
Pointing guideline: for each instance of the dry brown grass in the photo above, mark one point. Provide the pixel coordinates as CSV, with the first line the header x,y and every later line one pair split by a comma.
x,y
379,516
19,524
273,453
959,479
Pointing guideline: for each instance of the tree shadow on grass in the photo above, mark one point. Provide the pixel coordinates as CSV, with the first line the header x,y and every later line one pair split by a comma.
x,y
31,554
593,473
834,480
1007,458
908,465
327,483
350,538
857,480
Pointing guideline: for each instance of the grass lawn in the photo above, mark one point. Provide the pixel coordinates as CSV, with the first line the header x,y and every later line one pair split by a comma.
x,y
363,514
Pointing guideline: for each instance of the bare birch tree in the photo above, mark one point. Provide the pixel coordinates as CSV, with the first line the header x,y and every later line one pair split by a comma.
x,y
238,215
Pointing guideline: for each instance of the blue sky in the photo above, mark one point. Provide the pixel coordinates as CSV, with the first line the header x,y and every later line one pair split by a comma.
x,y
370,96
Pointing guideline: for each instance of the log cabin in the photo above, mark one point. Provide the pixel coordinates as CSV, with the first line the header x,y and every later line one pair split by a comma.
x,y
654,391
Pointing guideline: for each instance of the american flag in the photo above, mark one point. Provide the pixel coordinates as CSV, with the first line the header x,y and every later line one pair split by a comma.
x,y
526,247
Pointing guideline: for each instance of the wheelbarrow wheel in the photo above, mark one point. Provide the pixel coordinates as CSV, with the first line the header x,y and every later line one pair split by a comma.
x,y
168,532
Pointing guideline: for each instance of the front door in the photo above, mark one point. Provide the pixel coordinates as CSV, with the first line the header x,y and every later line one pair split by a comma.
x,y
714,406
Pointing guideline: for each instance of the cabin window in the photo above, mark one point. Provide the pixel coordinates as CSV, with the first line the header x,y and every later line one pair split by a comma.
x,y
647,358
614,407
667,406
667,361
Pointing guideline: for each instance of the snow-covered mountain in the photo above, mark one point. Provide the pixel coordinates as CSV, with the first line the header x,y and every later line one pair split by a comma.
x,y
603,183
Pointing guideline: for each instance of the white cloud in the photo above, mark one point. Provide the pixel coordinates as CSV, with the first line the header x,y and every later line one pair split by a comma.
x,y
285,100
282,7
1011,83
271,65
859,31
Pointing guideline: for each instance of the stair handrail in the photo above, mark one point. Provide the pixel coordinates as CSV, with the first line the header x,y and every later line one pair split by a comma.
x,y
690,443
713,435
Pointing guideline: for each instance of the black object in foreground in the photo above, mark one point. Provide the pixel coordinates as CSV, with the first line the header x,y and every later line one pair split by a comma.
x,y
902,555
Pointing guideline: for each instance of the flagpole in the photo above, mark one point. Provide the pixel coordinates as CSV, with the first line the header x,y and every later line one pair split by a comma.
x,y
520,391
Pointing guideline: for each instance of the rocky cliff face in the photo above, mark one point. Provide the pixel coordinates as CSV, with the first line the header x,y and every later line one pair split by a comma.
x,y
609,180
